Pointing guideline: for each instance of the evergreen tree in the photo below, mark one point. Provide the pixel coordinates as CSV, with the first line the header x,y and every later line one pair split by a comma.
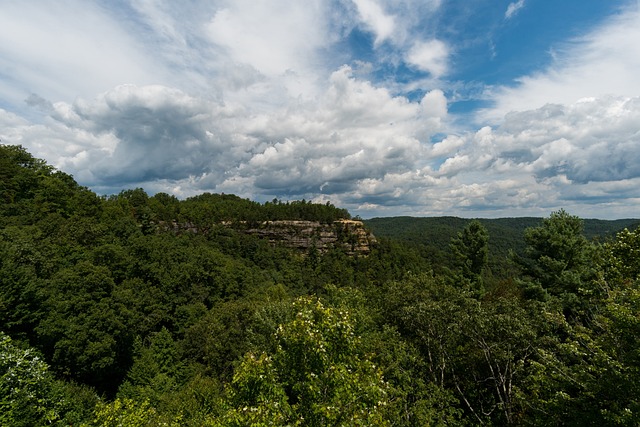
x,y
471,250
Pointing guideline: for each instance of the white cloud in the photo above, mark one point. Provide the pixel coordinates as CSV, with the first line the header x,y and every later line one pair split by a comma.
x,y
250,98
513,9
171,141
357,131
430,56
447,147
63,52
358,147
603,62
374,17
573,156
274,37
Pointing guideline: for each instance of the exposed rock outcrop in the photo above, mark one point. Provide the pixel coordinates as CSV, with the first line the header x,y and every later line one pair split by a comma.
x,y
349,235
304,235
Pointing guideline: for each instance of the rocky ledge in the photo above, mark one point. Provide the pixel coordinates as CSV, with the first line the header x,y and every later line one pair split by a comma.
x,y
304,235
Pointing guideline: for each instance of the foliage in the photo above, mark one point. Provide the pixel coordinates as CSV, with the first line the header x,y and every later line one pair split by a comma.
x,y
317,376
479,349
25,387
622,262
471,250
129,413
31,396
431,236
558,262
137,309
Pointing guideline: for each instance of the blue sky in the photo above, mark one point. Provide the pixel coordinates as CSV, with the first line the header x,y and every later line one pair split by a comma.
x,y
474,108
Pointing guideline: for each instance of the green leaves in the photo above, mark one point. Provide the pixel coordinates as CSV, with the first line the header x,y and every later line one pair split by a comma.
x,y
180,320
83,329
317,375
479,349
559,261
129,413
471,248
25,387
555,248
622,259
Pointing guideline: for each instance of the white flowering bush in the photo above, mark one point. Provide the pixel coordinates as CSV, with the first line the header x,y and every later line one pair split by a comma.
x,y
25,387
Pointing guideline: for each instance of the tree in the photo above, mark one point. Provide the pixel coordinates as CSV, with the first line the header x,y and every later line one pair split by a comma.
x,y
554,250
478,349
558,261
576,378
85,332
20,174
25,387
155,369
130,413
622,259
471,250
317,376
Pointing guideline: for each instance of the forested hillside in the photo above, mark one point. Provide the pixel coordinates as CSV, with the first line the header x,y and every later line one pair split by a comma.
x,y
431,236
112,316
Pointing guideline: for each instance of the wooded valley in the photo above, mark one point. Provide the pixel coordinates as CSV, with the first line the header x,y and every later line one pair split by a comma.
x,y
112,316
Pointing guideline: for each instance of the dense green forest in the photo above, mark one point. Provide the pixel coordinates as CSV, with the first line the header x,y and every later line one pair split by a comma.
x,y
432,236
109,317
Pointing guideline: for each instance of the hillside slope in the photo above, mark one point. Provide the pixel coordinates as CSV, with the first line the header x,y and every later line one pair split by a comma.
x,y
432,235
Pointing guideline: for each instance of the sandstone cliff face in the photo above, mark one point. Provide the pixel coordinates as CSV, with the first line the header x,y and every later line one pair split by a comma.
x,y
303,235
349,235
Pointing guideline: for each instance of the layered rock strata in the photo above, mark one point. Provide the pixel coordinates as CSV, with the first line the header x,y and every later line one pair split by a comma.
x,y
305,235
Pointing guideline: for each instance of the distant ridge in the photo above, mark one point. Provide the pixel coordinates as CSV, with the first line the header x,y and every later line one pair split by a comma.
x,y
432,234
403,225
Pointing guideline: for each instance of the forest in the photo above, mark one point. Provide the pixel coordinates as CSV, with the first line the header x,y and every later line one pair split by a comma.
x,y
110,318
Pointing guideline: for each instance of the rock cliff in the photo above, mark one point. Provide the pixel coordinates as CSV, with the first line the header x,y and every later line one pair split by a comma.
x,y
303,235
350,235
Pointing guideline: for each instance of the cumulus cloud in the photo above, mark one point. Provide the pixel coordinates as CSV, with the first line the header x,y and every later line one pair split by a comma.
x,y
359,146
376,19
548,157
248,98
155,134
355,132
430,56
127,135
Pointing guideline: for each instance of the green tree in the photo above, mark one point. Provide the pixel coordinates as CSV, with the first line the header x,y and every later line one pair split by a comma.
x,y
622,259
130,413
25,387
471,250
477,349
586,373
155,371
559,261
576,378
317,376
30,190
22,261
84,331
218,339
20,174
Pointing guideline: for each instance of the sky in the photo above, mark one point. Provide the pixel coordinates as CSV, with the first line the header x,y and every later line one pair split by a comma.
x,y
470,108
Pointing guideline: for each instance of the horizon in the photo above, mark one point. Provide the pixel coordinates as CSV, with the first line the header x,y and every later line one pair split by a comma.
x,y
475,109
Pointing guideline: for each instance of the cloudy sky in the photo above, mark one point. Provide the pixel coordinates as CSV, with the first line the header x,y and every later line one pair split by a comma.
x,y
473,108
